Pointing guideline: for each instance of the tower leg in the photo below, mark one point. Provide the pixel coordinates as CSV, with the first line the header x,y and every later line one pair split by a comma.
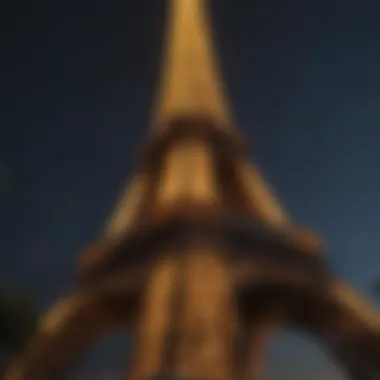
x,y
257,339
155,322
207,326
353,365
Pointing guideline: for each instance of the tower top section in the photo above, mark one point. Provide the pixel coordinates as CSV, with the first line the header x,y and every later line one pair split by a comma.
x,y
190,82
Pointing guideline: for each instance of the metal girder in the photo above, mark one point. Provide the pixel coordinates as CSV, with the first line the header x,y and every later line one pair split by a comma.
x,y
74,323
267,276
241,240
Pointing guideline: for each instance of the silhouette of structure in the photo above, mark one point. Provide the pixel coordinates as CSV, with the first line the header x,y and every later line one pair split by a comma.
x,y
200,259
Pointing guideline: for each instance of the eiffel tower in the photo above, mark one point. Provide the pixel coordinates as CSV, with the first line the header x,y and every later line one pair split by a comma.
x,y
199,259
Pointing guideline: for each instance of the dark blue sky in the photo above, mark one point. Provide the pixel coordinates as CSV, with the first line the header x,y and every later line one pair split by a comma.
x,y
77,81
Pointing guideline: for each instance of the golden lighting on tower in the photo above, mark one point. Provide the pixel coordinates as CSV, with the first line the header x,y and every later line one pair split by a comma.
x,y
190,82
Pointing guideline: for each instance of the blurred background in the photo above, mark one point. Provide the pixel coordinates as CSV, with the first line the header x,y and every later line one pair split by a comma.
x,y
76,85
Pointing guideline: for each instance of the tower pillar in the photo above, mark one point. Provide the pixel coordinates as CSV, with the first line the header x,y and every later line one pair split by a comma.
x,y
155,321
207,321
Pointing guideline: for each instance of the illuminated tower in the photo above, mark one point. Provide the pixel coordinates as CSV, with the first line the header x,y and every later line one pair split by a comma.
x,y
199,259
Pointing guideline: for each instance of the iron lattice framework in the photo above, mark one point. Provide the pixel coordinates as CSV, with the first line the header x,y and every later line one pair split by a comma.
x,y
199,259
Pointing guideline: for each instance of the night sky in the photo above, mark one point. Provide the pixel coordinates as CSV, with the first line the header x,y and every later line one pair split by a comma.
x,y
77,81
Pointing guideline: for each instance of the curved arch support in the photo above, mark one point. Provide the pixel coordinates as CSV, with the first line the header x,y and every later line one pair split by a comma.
x,y
71,326
353,337
64,329
331,311
349,328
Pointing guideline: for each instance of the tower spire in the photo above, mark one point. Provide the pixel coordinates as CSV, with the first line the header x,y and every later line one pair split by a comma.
x,y
190,82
